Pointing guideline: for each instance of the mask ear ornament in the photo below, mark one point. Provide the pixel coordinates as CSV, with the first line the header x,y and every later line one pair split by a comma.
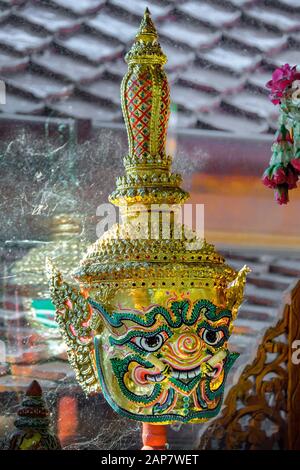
x,y
75,319
235,290
150,323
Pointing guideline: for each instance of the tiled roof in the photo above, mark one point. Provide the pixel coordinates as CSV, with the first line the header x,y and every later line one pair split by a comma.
x,y
65,57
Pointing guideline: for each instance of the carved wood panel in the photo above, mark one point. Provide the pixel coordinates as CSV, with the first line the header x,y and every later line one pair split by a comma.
x,y
294,372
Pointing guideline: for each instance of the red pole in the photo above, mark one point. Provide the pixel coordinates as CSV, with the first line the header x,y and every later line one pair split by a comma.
x,y
154,436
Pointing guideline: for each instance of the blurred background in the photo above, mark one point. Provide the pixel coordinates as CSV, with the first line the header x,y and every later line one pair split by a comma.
x,y
62,140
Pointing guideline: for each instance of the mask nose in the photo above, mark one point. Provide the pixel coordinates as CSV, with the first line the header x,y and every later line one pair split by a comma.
x,y
188,344
185,351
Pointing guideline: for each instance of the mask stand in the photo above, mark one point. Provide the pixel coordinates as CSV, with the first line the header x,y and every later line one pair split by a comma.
x,y
154,436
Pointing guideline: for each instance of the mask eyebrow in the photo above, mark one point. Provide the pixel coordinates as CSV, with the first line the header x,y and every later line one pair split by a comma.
x,y
116,319
200,308
216,316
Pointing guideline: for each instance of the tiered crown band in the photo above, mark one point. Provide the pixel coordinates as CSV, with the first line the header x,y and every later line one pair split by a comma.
x,y
120,257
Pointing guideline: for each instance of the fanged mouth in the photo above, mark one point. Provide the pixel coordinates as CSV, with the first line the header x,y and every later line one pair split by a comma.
x,y
175,373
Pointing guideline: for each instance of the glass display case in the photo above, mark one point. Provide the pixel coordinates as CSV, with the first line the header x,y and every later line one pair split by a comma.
x,y
62,142
52,181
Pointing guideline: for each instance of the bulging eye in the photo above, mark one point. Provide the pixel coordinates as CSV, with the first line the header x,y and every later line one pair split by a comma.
x,y
211,337
150,343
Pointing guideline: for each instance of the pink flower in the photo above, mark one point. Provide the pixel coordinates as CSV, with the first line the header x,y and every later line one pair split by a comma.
x,y
282,78
279,175
267,178
267,181
295,162
282,194
274,175
291,178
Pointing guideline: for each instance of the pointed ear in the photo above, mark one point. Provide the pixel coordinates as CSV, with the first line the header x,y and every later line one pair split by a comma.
x,y
60,291
235,291
74,316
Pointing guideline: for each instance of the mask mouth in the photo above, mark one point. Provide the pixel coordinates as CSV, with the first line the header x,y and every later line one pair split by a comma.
x,y
185,373
180,374
155,377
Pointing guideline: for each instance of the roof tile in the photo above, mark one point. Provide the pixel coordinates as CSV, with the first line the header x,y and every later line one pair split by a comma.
x,y
256,38
252,103
259,79
293,39
224,120
273,124
184,32
270,280
286,267
190,100
181,118
177,57
80,7
106,90
12,2
22,39
136,8
4,12
89,46
213,15
243,3
16,104
219,51
38,86
257,312
273,18
235,60
290,56
293,5
49,18
11,63
263,296
78,108
112,26
62,65
210,79
117,68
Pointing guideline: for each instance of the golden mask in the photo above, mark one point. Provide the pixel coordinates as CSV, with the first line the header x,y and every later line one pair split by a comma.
x,y
150,321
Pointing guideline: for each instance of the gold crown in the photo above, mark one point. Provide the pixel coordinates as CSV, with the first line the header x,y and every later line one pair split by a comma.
x,y
136,264
120,258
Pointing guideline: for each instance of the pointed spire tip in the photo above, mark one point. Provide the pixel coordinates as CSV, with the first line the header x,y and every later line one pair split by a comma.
x,y
34,389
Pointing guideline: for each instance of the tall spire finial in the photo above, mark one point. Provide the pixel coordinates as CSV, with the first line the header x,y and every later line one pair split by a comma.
x,y
146,48
147,30
145,97
33,431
